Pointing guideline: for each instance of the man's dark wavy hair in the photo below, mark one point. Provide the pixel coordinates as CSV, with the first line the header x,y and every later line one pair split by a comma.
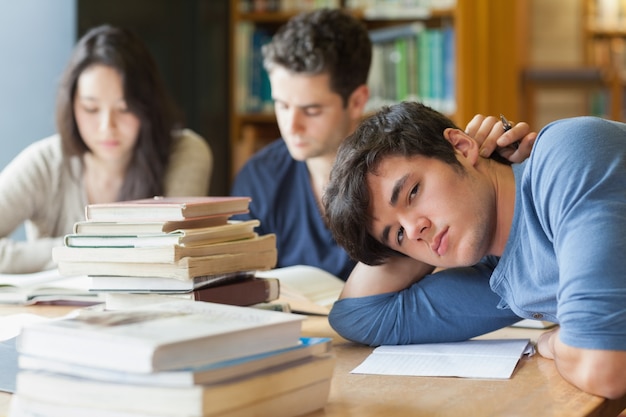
x,y
323,41
405,129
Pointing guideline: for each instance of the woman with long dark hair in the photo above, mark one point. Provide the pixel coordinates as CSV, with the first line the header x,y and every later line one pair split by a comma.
x,y
118,139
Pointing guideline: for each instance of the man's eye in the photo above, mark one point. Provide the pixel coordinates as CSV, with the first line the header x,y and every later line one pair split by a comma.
x,y
312,112
400,236
413,192
90,110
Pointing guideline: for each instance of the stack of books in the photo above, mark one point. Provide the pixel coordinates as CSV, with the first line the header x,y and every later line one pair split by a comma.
x,y
180,358
183,247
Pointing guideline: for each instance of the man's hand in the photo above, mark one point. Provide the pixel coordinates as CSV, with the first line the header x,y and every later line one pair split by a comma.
x,y
599,372
396,274
490,135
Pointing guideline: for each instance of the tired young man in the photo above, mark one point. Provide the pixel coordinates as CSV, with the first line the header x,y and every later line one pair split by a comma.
x,y
410,191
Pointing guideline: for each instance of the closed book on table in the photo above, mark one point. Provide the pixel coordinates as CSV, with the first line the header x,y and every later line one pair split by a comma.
x,y
166,208
101,283
241,293
184,269
196,401
297,402
183,237
160,337
187,377
87,227
162,254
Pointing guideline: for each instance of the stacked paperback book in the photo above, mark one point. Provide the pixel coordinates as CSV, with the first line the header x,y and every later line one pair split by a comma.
x,y
176,247
178,358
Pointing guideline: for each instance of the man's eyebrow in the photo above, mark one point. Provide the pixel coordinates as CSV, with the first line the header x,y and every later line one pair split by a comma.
x,y
397,187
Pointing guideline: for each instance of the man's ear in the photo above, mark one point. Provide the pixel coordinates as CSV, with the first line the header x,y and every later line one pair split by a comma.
x,y
357,101
462,143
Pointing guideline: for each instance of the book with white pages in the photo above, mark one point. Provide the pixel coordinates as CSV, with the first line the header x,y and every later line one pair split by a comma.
x,y
191,401
203,374
307,289
300,401
184,237
476,358
164,253
87,227
148,285
47,287
160,337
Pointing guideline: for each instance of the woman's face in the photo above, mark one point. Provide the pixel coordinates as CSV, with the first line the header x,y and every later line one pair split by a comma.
x,y
106,125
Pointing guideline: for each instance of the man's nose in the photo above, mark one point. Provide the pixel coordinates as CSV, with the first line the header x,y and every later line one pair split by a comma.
x,y
415,227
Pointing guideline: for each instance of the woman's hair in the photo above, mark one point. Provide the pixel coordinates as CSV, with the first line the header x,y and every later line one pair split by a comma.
x,y
145,96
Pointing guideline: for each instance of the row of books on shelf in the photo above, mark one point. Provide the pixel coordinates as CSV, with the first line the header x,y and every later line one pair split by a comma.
x,y
180,358
413,62
262,6
374,9
409,62
253,91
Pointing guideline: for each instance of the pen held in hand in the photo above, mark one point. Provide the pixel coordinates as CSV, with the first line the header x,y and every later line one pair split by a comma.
x,y
506,125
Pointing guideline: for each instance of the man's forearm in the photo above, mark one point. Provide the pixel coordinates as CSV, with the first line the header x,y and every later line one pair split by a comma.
x,y
395,275
599,372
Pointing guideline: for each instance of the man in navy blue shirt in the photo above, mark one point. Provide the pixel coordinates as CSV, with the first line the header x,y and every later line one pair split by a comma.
x,y
318,65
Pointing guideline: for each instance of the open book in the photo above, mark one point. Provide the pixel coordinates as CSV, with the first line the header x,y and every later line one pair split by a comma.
x,y
307,289
474,358
47,287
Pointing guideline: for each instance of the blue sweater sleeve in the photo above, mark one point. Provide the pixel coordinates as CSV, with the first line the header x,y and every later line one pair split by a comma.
x,y
452,305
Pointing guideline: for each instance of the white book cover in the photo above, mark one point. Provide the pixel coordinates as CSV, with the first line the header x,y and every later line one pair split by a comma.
x,y
187,377
160,337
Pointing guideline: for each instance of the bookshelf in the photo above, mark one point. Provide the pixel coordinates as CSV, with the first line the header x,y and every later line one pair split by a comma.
x,y
489,49
604,40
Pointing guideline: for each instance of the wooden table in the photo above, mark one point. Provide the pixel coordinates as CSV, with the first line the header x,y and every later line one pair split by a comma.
x,y
536,389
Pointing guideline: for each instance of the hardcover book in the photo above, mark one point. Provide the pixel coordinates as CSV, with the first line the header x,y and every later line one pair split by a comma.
x,y
163,254
183,237
159,284
184,269
188,377
197,400
160,337
87,227
166,208
296,402
245,292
